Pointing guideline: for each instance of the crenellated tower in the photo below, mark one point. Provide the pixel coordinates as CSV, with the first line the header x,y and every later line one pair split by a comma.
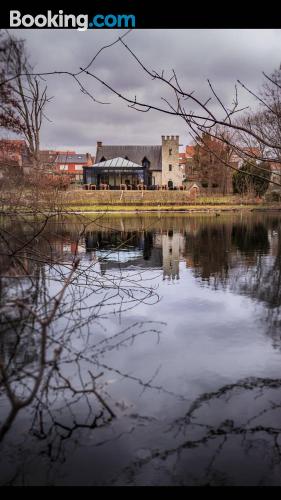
x,y
172,173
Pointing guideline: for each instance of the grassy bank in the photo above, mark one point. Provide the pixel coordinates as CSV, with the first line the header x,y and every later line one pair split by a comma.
x,y
162,208
75,201
80,198
136,201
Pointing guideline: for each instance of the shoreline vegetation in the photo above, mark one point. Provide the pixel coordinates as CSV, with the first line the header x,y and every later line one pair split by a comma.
x,y
172,209
28,201
195,209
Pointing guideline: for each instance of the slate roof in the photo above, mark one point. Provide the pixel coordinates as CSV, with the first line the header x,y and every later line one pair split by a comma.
x,y
136,154
71,158
118,163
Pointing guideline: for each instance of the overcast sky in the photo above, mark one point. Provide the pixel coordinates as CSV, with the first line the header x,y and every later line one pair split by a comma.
x,y
77,122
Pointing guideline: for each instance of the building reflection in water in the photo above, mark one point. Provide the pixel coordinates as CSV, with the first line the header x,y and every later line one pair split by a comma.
x,y
211,247
145,249
210,250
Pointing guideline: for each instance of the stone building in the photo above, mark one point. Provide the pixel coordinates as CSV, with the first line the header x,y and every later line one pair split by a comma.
x,y
156,165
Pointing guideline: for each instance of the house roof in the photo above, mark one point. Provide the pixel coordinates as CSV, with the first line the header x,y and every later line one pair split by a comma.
x,y
71,158
182,158
13,141
135,154
16,144
118,163
189,150
190,184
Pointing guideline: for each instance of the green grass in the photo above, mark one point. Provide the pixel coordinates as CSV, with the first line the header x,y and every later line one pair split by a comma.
x,y
141,208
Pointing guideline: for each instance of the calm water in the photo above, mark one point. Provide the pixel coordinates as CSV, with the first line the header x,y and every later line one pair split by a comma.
x,y
159,364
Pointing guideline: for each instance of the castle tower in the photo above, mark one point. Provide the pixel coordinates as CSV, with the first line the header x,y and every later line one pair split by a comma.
x,y
172,173
172,251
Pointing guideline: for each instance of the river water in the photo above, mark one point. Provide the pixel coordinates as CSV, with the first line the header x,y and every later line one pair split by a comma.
x,y
158,364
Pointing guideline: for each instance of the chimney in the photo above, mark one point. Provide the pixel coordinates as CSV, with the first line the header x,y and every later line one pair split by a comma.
x,y
89,159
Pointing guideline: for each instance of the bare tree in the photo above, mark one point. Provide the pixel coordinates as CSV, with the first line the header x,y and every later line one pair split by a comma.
x,y
28,95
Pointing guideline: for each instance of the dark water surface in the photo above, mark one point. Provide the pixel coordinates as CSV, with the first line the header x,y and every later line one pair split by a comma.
x,y
160,364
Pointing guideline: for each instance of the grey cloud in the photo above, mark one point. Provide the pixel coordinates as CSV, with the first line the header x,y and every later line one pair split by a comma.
x,y
223,56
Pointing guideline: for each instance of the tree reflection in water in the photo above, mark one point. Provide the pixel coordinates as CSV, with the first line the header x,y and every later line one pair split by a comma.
x,y
63,284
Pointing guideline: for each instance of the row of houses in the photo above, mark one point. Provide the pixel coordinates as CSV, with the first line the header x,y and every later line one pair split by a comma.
x,y
15,157
130,166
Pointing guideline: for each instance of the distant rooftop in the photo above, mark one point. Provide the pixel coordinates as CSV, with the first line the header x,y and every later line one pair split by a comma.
x,y
71,158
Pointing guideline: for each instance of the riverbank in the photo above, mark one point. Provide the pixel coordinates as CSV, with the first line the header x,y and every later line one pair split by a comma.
x,y
116,210
80,201
214,209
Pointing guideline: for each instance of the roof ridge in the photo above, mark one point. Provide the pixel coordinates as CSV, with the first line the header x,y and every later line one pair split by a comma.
x,y
130,146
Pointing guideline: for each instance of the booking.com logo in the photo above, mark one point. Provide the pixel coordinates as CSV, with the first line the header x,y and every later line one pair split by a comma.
x,y
61,20
113,21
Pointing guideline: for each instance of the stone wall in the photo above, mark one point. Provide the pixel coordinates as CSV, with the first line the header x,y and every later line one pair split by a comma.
x,y
170,156
158,177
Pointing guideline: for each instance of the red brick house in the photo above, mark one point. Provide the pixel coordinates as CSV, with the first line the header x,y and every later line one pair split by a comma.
x,y
68,163
72,164
14,157
14,152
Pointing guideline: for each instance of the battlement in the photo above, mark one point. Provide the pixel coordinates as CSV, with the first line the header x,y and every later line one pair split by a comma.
x,y
166,138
